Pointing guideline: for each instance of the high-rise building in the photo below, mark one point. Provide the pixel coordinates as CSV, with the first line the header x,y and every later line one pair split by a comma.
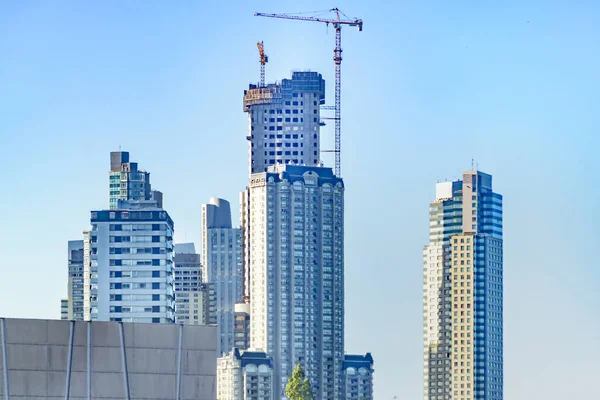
x,y
463,292
246,375
358,377
241,329
126,181
190,300
296,238
222,265
284,121
284,128
130,264
75,280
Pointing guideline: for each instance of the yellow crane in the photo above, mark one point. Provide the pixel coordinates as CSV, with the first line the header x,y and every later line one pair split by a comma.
x,y
337,23
264,59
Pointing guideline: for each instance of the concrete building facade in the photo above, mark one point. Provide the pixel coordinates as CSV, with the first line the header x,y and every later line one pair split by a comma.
x,y
130,270
463,292
246,375
75,360
297,274
284,121
222,265
358,377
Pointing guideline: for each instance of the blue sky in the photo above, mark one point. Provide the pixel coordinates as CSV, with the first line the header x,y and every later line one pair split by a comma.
x,y
427,86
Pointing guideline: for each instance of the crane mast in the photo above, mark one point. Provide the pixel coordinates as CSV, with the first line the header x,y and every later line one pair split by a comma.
x,y
337,23
264,59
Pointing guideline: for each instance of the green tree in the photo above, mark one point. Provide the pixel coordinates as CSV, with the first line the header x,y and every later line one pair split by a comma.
x,y
298,386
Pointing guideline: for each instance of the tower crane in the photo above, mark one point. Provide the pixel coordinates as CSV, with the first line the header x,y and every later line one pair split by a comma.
x,y
263,60
337,23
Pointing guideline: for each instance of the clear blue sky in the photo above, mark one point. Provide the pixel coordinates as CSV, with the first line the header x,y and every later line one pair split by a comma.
x,y
427,86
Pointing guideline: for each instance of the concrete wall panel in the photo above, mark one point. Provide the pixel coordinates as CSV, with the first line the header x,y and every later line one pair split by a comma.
x,y
38,354
26,331
199,362
107,385
23,383
106,334
27,357
56,383
153,386
199,339
79,362
80,334
106,359
194,387
152,362
157,336
58,357
78,384
58,333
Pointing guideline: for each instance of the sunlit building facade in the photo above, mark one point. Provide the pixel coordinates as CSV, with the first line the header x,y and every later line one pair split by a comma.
x,y
463,292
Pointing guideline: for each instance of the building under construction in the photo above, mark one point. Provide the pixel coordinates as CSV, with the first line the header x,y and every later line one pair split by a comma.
x,y
284,121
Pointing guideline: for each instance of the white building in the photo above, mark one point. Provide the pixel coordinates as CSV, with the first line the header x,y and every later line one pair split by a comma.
x,y
129,268
222,266
244,376
296,239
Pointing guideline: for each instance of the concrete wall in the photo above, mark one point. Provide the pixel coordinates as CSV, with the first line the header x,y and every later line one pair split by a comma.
x,y
49,359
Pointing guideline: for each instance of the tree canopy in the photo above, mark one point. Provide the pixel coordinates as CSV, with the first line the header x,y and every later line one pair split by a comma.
x,y
298,386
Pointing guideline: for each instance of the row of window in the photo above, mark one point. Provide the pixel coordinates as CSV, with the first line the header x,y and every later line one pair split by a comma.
x,y
135,239
122,285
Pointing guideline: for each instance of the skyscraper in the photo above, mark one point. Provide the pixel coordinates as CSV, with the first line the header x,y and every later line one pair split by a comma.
x,y
222,266
191,301
284,121
130,267
75,280
126,181
462,292
296,238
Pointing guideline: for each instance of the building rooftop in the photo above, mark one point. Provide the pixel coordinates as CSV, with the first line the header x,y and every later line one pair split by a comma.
x,y
358,361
